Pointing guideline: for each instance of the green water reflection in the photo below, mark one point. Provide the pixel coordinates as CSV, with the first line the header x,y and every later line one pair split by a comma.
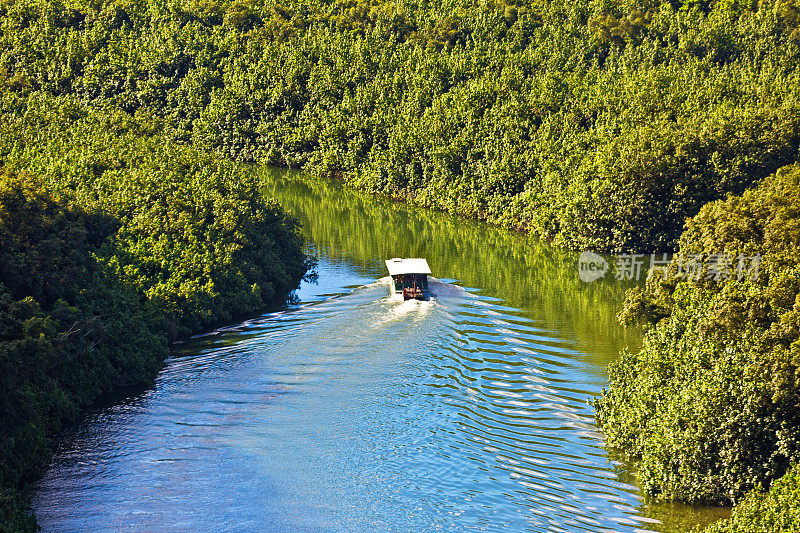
x,y
525,273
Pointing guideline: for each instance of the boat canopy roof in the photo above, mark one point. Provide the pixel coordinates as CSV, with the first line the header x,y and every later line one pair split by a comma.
x,y
399,266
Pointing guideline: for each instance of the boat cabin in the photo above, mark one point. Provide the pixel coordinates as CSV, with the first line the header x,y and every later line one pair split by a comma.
x,y
409,278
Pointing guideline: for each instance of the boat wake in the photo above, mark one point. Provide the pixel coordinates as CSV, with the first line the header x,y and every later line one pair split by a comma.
x,y
355,413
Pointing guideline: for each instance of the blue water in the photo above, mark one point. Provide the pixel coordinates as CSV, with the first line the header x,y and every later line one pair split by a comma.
x,y
352,412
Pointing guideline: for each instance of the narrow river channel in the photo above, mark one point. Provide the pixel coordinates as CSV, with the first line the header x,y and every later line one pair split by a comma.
x,y
350,412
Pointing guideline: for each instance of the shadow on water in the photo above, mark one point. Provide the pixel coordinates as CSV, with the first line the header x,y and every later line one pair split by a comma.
x,y
352,412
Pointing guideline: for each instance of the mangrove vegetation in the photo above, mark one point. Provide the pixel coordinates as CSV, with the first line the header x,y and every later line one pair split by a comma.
x,y
599,124
709,409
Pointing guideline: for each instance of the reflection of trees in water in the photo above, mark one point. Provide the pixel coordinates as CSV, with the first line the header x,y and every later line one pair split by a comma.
x,y
530,275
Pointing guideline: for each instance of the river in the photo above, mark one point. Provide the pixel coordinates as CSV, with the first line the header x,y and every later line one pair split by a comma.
x,y
351,412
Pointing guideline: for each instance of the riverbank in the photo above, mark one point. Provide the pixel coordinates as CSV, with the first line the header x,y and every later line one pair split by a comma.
x,y
343,409
112,243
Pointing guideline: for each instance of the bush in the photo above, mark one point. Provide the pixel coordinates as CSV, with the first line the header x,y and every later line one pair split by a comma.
x,y
69,330
595,124
194,232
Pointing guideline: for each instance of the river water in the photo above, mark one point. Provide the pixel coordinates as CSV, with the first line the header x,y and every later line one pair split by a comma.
x,y
352,412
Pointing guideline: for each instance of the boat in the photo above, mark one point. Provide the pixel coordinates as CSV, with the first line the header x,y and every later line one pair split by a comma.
x,y
409,278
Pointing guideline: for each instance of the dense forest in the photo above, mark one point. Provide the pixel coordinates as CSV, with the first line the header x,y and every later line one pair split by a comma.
x,y
770,512
599,124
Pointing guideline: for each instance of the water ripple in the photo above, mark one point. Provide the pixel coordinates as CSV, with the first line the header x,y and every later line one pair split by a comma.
x,y
352,413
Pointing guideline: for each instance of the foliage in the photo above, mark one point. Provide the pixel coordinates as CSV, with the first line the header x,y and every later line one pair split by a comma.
x,y
710,407
344,224
597,123
196,235
69,329
774,511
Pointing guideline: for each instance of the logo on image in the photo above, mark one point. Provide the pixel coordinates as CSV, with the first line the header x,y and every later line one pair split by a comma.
x,y
591,267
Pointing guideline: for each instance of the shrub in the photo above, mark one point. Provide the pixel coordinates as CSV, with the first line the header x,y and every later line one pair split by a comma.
x,y
111,243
